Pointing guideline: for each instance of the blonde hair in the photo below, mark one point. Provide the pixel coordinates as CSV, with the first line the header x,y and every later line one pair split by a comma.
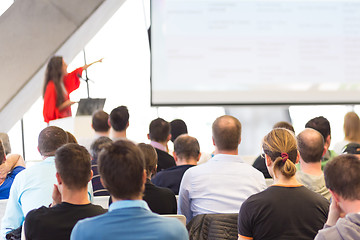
x,y
280,145
352,127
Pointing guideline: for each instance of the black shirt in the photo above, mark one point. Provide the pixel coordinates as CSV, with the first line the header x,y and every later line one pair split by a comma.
x,y
260,165
171,177
283,213
57,222
160,200
165,160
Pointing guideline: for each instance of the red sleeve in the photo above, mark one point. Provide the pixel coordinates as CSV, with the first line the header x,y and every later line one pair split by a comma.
x,y
72,81
50,109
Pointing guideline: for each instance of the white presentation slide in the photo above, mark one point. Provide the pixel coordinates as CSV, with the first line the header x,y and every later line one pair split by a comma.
x,y
255,52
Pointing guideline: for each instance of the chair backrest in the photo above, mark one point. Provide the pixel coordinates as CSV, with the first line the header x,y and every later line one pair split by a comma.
x,y
213,226
181,218
102,201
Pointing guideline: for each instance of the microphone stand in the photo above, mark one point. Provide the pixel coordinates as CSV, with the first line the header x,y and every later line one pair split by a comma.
x,y
86,77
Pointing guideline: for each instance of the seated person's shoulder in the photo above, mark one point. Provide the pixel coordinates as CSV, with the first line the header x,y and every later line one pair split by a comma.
x,y
15,171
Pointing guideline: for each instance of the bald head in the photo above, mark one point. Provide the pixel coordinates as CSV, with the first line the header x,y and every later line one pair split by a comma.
x,y
311,145
226,132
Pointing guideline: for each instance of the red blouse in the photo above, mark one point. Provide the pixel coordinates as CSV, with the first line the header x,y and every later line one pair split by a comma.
x,y
71,83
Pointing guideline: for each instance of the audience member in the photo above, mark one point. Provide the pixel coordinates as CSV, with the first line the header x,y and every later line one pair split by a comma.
x,y
70,199
351,131
322,125
33,186
100,124
352,148
177,128
122,170
285,210
4,137
186,155
223,183
159,134
259,162
71,138
311,148
10,166
119,122
160,200
95,149
343,179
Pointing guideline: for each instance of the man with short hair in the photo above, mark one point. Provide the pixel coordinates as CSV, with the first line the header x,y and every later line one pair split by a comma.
x,y
159,134
70,198
343,179
186,155
311,148
223,183
33,186
100,123
322,125
119,122
122,171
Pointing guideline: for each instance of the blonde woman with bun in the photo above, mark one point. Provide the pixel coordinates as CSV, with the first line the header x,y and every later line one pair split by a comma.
x,y
287,209
351,132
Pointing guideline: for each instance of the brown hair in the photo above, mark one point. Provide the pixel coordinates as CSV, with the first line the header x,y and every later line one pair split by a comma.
x,y
311,145
186,147
226,131
71,138
54,73
121,166
73,163
280,141
283,124
98,145
151,157
352,127
159,130
119,118
100,121
342,176
2,153
50,139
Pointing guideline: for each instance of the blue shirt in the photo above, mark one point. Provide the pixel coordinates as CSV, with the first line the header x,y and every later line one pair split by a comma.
x,y
32,188
220,185
5,187
129,219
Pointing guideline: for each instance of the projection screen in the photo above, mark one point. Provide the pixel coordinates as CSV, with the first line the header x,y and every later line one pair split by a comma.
x,y
220,52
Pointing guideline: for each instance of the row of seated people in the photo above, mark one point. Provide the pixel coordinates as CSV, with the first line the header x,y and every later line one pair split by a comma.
x,y
219,186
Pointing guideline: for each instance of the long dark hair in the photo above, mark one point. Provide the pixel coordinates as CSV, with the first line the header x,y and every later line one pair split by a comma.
x,y
54,73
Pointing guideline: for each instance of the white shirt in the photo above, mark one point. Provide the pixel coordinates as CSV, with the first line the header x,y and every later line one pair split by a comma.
x,y
219,186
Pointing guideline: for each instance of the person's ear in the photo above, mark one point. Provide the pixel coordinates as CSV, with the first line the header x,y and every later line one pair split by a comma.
x,y
127,125
324,152
102,182
268,160
168,138
213,141
239,141
109,122
91,175
198,158
297,157
175,156
144,176
58,178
